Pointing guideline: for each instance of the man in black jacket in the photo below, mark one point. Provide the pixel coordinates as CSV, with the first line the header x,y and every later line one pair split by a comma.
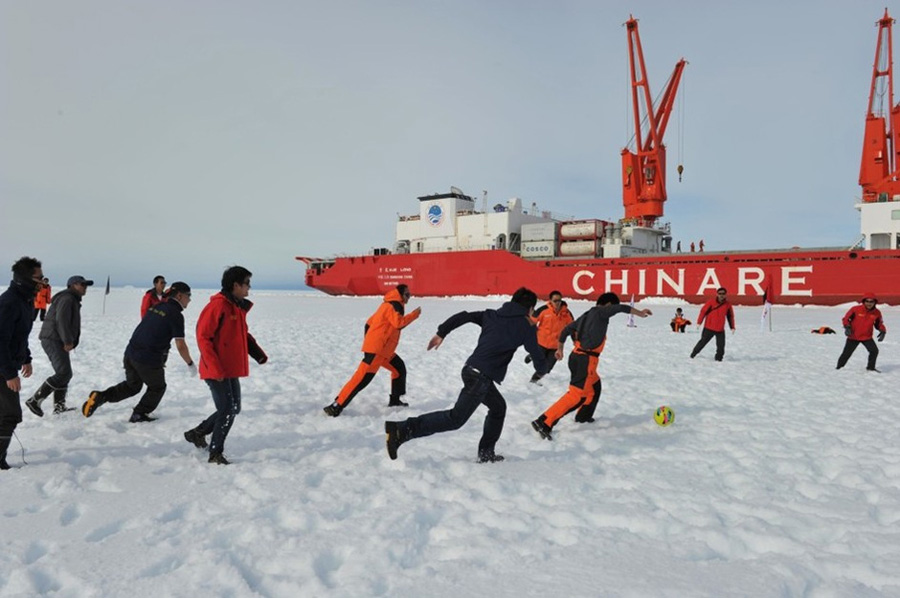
x,y
589,334
503,331
59,334
16,317
146,354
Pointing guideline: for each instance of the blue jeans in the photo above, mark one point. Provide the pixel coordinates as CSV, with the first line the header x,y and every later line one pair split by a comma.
x,y
227,397
477,390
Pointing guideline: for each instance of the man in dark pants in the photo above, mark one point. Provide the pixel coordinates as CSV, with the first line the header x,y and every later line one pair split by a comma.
x,y
146,354
60,333
16,317
716,312
860,323
502,332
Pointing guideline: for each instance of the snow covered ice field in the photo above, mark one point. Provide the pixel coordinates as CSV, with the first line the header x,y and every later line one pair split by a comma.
x,y
779,477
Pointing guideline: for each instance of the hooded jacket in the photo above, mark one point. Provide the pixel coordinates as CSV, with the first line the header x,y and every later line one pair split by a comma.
x,y
863,321
63,321
502,332
550,323
16,316
223,339
384,326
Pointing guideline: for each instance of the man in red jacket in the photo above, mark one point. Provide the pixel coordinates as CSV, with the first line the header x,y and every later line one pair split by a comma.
x,y
224,343
716,312
154,296
382,334
859,324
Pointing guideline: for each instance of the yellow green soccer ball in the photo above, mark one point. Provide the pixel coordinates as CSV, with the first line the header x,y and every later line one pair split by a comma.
x,y
664,416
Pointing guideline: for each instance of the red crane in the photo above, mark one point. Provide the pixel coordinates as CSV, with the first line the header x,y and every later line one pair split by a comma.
x,y
878,172
644,170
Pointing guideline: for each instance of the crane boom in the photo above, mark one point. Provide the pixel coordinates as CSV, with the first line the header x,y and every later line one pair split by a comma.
x,y
878,171
644,170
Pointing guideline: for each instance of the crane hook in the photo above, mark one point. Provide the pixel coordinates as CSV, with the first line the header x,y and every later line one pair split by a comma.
x,y
680,170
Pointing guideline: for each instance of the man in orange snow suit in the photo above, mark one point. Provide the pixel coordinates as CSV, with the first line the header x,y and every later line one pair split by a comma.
x,y
503,331
860,323
589,334
679,322
551,319
42,300
154,296
224,342
716,312
382,334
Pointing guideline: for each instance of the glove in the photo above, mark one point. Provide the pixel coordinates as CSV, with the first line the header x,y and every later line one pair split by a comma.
x,y
881,335
847,331
192,368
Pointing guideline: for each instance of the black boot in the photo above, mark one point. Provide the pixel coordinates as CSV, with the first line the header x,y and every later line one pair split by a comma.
x,y
540,426
334,409
59,401
396,433
394,401
4,446
218,459
95,399
196,437
34,403
488,456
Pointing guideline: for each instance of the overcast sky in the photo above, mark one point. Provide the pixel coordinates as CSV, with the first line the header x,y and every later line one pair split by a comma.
x,y
178,137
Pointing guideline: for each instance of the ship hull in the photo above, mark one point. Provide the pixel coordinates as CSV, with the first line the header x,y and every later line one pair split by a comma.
x,y
807,277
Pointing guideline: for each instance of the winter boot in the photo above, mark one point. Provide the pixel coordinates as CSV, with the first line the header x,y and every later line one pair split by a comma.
x,y
334,409
218,459
94,400
488,456
196,437
140,417
394,401
396,433
540,426
59,401
34,403
4,445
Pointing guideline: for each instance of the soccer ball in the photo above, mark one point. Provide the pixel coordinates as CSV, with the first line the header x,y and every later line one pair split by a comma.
x,y
664,416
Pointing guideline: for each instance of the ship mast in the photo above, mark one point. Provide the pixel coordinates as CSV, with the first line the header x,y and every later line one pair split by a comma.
x,y
644,170
878,172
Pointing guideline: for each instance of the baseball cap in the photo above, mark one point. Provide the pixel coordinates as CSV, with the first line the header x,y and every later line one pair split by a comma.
x,y
79,280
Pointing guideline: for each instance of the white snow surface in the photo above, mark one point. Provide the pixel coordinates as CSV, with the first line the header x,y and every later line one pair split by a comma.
x,y
779,477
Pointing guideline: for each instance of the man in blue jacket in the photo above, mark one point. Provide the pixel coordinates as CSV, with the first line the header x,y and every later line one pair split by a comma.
x,y
503,331
146,355
16,317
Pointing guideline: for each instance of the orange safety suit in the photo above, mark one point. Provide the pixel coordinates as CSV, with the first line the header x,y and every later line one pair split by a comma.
x,y
550,323
42,299
382,334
